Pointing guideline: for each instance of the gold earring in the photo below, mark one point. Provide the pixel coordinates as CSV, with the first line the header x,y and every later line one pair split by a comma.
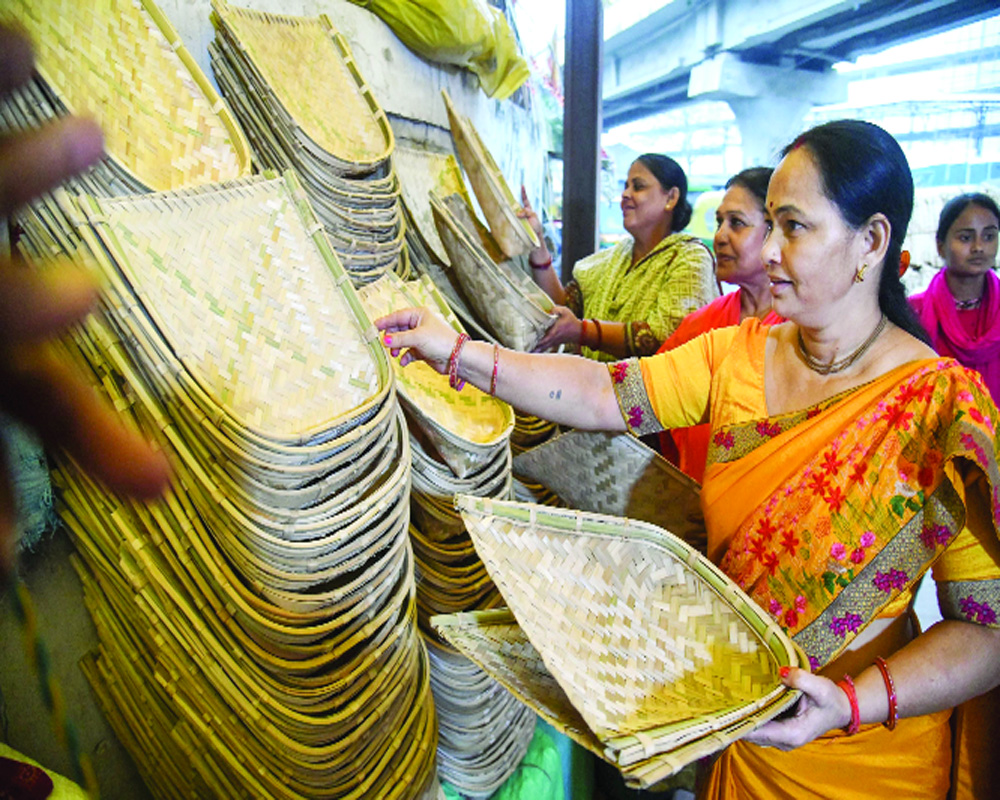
x,y
859,276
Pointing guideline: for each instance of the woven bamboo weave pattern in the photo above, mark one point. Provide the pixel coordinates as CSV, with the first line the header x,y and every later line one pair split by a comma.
x,y
515,316
513,234
318,85
420,173
125,66
649,641
618,475
258,319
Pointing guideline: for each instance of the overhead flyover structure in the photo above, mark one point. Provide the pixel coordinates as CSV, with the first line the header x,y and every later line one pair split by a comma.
x,y
771,62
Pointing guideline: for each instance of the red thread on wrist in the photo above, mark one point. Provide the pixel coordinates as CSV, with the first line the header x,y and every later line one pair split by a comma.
x,y
453,380
890,690
496,365
544,265
847,686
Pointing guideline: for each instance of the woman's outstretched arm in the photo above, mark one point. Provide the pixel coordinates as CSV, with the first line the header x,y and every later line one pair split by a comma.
x,y
565,389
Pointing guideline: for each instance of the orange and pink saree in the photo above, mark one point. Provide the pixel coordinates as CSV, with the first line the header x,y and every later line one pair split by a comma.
x,y
828,517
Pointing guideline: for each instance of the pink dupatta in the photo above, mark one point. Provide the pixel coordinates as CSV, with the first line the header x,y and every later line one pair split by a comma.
x,y
981,352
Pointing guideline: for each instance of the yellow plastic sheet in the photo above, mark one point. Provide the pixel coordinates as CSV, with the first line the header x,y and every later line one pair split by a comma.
x,y
466,33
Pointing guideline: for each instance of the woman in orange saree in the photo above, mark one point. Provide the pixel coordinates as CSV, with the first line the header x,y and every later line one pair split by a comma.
x,y
847,460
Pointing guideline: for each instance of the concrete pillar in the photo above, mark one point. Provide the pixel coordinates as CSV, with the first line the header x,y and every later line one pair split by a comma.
x,y
769,102
581,130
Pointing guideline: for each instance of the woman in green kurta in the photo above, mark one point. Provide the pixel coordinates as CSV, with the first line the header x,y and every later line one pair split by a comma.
x,y
627,300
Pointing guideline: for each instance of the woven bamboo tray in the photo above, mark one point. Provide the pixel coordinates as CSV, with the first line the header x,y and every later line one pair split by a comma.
x,y
518,317
256,339
421,172
513,234
467,428
129,70
662,655
320,75
616,475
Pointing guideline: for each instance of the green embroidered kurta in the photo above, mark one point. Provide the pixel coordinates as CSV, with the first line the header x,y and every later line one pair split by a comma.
x,y
673,280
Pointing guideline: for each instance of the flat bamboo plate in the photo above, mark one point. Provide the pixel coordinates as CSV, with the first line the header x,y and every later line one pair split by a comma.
x,y
310,70
658,651
163,122
513,234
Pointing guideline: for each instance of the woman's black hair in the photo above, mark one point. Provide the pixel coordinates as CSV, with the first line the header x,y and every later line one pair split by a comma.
x,y
754,180
670,174
953,209
865,172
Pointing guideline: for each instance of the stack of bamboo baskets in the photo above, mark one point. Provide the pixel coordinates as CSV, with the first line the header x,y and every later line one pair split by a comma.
x,y
313,112
459,443
267,607
257,627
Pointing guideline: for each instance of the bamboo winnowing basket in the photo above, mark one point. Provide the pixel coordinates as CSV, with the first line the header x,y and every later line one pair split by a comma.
x,y
517,315
235,294
298,57
163,122
466,427
616,474
420,173
661,655
514,235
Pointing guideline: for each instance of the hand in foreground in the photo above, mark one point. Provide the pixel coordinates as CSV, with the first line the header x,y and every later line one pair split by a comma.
x,y
565,330
822,707
36,386
419,335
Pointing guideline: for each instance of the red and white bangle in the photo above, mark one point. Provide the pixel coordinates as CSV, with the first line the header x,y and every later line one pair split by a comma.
x,y
890,690
847,685
454,381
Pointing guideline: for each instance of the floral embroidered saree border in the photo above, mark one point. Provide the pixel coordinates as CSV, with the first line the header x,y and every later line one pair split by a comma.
x,y
867,512
896,567
633,401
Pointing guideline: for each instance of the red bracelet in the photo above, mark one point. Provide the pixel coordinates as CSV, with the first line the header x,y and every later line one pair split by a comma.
x,y
597,324
453,380
890,689
496,365
583,332
543,265
847,685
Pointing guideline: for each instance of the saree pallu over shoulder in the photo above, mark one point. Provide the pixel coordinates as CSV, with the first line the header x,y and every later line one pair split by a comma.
x,y
839,509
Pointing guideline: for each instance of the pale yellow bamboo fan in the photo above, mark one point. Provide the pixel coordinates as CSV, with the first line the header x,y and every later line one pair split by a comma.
x,y
514,235
123,64
654,647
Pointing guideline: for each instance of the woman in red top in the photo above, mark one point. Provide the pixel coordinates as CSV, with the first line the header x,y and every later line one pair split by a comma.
x,y
961,307
739,238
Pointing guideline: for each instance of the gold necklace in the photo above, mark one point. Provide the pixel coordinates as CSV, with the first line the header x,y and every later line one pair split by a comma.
x,y
839,366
